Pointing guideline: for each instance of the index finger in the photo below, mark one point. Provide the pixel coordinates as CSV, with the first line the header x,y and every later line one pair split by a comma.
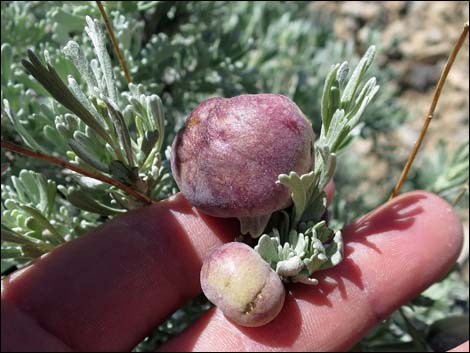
x,y
106,290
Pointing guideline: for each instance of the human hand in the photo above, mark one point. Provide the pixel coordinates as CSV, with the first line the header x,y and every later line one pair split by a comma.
x,y
105,291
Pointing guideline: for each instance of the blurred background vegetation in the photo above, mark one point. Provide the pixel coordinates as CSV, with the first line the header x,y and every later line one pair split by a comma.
x,y
188,51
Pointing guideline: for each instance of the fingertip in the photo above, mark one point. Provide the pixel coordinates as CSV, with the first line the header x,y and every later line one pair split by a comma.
x,y
406,245
462,348
438,214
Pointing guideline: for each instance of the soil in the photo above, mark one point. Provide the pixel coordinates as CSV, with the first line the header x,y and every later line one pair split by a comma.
x,y
416,40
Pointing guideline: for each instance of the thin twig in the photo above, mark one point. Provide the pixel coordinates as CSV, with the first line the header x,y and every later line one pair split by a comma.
x,y
430,114
42,156
122,62
462,192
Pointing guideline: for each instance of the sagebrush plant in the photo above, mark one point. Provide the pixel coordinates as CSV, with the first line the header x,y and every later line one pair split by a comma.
x,y
255,46
94,133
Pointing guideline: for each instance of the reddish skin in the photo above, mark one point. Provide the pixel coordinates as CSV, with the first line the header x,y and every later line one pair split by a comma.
x,y
108,289
221,160
462,348
236,279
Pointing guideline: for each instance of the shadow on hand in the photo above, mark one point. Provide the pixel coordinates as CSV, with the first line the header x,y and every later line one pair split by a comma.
x,y
283,330
398,215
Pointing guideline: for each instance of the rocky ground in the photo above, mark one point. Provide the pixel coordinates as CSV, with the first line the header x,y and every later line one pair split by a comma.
x,y
416,40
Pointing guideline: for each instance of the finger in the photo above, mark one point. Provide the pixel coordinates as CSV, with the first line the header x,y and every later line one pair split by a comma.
x,y
462,348
107,289
29,336
391,255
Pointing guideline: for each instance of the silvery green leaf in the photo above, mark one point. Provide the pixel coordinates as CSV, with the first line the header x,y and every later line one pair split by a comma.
x,y
316,207
85,201
89,139
365,92
32,251
33,224
336,125
370,89
51,81
30,186
286,252
68,23
285,225
155,107
95,68
51,196
342,74
138,107
25,135
356,77
110,150
298,194
148,142
253,225
325,101
98,38
135,89
91,183
290,267
87,156
267,248
305,280
77,92
328,166
7,55
13,237
125,202
63,130
293,238
335,99
73,52
122,173
121,129
300,245
47,194
54,136
56,236
308,180
314,262
12,252
20,191
316,246
71,121
323,233
334,251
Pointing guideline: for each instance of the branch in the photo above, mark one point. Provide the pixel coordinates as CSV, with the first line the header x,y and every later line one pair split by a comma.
x,y
122,62
38,155
437,94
